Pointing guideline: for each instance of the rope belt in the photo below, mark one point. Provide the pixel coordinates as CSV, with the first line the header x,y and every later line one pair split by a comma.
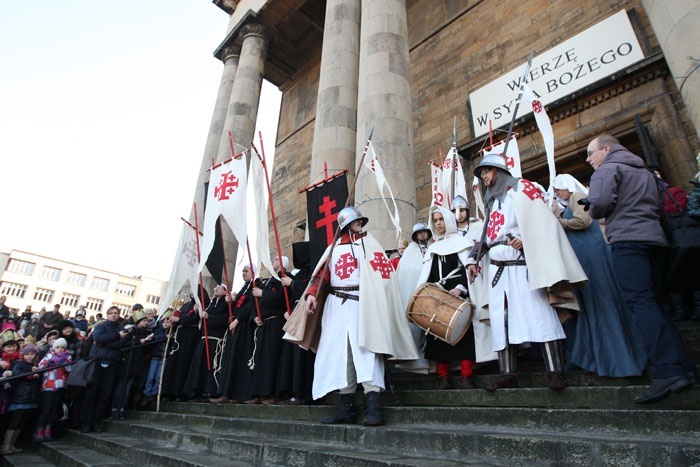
x,y
501,266
339,292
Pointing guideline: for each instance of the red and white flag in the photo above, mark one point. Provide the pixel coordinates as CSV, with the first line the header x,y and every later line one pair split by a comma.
x,y
512,157
438,193
225,198
453,182
545,127
372,163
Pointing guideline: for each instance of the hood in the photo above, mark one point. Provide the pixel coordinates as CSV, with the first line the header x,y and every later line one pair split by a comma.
x,y
621,155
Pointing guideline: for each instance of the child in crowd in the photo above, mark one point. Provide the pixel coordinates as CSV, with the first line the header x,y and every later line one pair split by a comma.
x,y
24,399
52,387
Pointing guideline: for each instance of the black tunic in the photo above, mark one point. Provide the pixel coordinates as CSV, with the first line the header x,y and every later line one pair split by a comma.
x,y
200,379
268,339
180,351
235,375
296,369
437,349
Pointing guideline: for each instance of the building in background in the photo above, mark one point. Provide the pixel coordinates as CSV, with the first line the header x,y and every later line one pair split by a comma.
x,y
30,280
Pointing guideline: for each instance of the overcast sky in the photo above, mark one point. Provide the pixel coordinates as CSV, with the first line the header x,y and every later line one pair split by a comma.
x,y
104,113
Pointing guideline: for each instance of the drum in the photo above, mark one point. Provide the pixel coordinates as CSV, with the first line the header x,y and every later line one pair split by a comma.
x,y
437,312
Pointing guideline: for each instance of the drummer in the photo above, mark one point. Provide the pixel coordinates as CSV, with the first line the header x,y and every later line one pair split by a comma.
x,y
447,258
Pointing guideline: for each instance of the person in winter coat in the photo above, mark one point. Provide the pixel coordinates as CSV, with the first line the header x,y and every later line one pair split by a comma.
x,y
52,387
25,397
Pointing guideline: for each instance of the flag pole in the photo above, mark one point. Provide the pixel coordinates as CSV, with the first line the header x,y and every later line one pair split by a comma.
x,y
453,164
201,291
261,156
252,278
517,101
347,203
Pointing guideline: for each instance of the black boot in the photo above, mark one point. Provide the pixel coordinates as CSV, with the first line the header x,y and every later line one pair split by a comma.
x,y
346,414
373,410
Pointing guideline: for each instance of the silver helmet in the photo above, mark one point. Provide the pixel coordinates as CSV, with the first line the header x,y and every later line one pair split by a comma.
x,y
420,226
349,214
491,160
459,203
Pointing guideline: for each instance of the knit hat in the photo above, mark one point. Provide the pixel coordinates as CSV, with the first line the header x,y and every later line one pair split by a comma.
x,y
64,324
60,342
29,348
139,315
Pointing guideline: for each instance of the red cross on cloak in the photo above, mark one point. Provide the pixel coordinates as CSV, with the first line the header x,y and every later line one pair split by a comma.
x,y
381,264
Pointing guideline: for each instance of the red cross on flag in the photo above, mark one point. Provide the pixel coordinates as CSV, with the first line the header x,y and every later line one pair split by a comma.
x,y
438,198
545,127
512,157
225,198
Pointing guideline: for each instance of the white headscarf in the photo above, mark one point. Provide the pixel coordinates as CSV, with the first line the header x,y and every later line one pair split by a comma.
x,y
567,182
452,241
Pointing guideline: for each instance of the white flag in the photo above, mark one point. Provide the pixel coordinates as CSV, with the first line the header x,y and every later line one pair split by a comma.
x,y
453,182
545,128
260,196
184,267
225,198
372,163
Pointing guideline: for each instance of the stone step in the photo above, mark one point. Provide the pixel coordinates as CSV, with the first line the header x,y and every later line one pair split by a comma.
x,y
421,442
136,449
527,377
25,459
573,397
193,446
678,423
64,453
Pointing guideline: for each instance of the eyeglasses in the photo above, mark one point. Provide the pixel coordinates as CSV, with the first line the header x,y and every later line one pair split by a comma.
x,y
590,153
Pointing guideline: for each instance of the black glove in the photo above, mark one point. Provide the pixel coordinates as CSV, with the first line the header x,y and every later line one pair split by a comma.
x,y
585,203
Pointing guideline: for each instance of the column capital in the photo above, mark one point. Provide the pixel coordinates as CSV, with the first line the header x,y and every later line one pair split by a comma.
x,y
229,52
256,29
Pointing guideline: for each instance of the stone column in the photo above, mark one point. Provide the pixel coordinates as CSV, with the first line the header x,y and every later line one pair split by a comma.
x,y
245,94
384,103
242,113
676,27
230,58
336,106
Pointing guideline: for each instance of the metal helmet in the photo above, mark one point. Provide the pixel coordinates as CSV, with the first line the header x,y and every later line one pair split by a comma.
x,y
459,203
349,214
420,226
491,160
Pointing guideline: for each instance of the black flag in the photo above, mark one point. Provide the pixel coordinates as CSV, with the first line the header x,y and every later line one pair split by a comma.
x,y
323,202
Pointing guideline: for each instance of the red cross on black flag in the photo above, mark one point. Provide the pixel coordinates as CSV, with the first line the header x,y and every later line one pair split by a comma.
x,y
323,202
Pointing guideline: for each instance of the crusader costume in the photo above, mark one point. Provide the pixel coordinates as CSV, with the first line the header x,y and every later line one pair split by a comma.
x,y
362,320
529,256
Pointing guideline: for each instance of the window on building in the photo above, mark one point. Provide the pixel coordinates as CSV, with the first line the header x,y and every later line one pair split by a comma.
x,y
126,289
94,304
21,267
153,299
70,299
53,274
123,309
76,278
43,295
12,290
99,283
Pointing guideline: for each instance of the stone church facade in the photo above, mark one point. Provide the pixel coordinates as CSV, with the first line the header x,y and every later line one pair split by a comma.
x,y
408,68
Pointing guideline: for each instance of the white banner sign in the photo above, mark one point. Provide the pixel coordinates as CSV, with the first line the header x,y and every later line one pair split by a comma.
x,y
597,52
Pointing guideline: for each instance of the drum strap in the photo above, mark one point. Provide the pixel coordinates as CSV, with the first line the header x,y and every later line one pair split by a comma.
x,y
501,265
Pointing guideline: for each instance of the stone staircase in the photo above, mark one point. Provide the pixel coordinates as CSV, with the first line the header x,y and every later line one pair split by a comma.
x,y
593,422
